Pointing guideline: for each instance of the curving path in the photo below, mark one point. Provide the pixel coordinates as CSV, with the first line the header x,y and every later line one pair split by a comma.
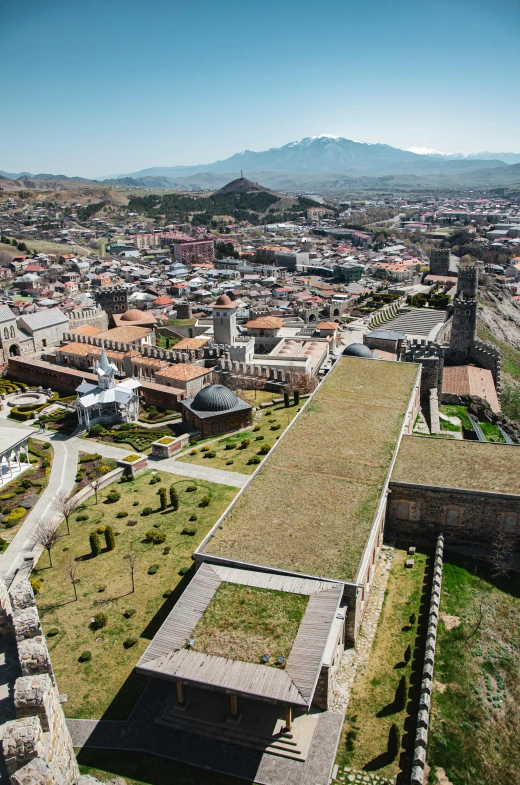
x,y
22,550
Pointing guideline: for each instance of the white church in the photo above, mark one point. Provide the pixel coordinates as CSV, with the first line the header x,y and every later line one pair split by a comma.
x,y
106,402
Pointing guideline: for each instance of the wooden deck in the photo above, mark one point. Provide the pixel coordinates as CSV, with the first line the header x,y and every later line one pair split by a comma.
x,y
166,657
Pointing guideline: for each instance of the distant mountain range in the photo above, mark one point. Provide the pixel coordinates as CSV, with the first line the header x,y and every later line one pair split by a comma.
x,y
326,162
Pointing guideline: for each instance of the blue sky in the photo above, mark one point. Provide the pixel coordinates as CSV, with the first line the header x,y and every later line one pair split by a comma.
x,y
93,87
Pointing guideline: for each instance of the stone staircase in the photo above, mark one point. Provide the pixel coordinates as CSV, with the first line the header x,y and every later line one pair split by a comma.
x,y
264,733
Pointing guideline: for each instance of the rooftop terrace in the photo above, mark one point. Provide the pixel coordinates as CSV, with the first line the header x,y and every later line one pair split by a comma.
x,y
450,463
310,507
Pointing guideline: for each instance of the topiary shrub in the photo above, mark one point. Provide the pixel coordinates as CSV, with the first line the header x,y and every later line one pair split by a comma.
x,y
153,569
82,518
100,620
122,514
155,480
166,550
256,428
191,488
276,427
205,448
85,656
228,463
174,497
147,511
254,460
193,452
53,632
162,498
134,504
408,654
205,501
110,538
36,585
245,443
95,430
296,397
211,454
264,449
194,517
129,613
286,399
95,543
190,531
113,496
129,643
259,438
183,570
229,447
101,529
157,537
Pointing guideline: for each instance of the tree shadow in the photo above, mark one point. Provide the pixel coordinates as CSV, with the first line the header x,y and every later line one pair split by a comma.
x,y
379,762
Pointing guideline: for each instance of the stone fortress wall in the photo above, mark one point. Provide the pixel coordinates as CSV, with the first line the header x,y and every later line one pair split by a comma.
x,y
94,317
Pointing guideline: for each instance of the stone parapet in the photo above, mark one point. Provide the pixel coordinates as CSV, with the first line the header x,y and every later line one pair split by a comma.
x,y
34,656
22,595
26,623
23,741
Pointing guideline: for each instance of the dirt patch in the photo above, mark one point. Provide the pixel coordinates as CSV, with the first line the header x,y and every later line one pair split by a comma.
x,y
450,622
439,686
442,778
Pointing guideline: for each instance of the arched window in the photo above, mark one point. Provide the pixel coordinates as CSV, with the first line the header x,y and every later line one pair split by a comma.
x,y
6,332
12,331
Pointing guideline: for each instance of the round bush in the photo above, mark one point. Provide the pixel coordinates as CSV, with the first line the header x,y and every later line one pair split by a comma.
x,y
85,656
100,620
82,518
276,427
189,530
168,593
194,517
129,643
113,496
191,488
53,632
211,454
228,463
134,504
101,529
129,613
147,511
256,428
155,536
259,438
36,585
122,514
229,447
205,448
102,588
254,460
193,452
166,550
153,569
183,570
264,449
204,502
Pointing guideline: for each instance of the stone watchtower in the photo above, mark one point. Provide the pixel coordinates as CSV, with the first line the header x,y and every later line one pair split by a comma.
x,y
440,261
224,320
464,322
112,299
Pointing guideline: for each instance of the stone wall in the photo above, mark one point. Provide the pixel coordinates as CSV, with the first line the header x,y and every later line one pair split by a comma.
x,y
462,516
94,317
423,716
37,746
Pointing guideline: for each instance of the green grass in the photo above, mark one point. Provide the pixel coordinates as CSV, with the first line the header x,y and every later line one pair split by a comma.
x,y
372,709
107,685
476,703
244,623
256,397
167,342
140,769
456,411
228,448
449,426
491,432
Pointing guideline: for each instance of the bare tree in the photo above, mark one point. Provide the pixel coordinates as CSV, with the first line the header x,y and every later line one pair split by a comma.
x,y
46,535
503,557
131,564
96,483
71,573
65,506
298,380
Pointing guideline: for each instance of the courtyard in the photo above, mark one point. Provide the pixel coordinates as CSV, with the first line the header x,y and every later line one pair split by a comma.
x,y
104,684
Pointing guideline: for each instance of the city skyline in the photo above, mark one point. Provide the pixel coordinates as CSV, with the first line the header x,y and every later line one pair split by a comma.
x,y
104,89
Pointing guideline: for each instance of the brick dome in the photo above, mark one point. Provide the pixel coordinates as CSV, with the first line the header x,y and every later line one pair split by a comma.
x,y
215,398
133,315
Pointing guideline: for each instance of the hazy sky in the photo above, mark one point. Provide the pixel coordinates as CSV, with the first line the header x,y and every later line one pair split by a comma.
x,y
94,87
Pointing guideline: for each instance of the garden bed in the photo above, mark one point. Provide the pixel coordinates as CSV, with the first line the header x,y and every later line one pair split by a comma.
x,y
90,467
138,439
106,684
22,493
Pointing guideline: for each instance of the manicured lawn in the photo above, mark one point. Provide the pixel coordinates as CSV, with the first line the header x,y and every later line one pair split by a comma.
x,y
167,341
374,704
244,623
256,397
231,456
139,769
106,685
476,703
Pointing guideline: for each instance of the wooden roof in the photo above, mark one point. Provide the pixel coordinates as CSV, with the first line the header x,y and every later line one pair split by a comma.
x,y
166,656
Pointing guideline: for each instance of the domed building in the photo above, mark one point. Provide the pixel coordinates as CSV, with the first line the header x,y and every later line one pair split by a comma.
x,y
216,409
358,350
134,317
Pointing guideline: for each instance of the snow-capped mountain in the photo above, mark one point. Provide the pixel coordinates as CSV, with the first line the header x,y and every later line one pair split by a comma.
x,y
334,155
507,158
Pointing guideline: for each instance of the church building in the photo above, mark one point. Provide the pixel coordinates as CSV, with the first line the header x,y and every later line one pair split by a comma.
x,y
106,402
